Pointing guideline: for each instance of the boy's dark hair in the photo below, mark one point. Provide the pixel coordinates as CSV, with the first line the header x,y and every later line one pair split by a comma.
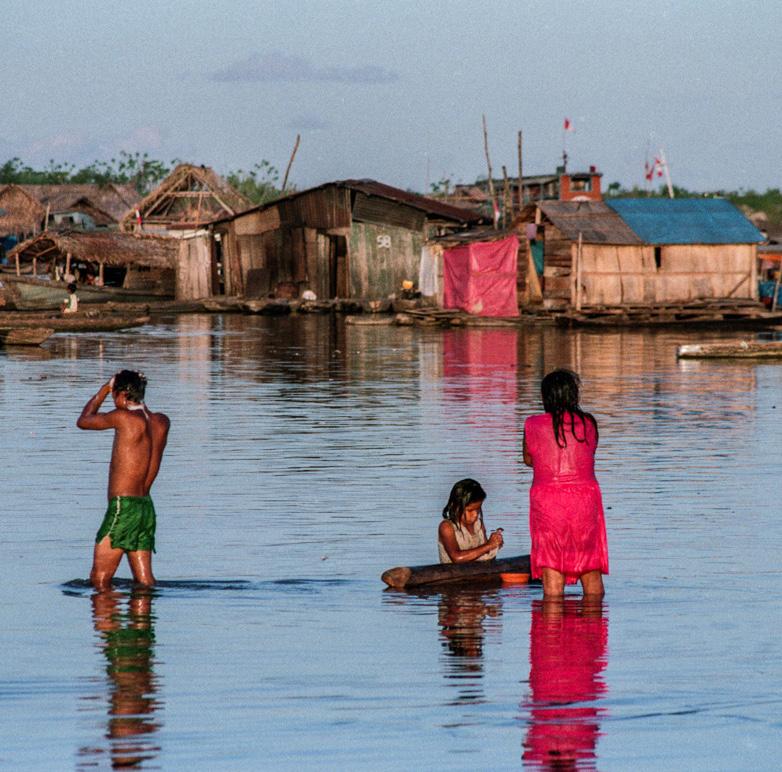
x,y
465,492
71,287
133,383
560,395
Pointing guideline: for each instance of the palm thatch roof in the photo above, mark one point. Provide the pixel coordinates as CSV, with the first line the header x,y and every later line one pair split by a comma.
x,y
109,247
112,199
19,211
189,197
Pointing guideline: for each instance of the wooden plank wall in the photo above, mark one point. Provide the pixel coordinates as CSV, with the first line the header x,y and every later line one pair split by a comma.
x,y
376,271
616,275
557,264
194,269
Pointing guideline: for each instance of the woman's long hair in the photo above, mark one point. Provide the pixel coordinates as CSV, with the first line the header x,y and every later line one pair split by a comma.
x,y
465,492
560,398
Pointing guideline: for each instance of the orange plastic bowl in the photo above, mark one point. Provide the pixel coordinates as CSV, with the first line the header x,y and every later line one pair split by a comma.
x,y
508,578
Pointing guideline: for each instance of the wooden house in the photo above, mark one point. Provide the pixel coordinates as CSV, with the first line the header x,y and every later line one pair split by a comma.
x,y
649,251
346,239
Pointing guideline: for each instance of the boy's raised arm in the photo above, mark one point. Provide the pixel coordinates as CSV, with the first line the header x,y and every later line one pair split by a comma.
x,y
90,418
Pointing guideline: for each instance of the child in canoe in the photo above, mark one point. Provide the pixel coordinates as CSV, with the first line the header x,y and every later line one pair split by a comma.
x,y
461,537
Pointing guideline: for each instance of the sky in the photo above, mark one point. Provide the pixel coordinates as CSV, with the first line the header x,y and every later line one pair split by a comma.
x,y
396,90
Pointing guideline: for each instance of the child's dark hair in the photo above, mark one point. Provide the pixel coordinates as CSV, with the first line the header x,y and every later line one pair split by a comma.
x,y
71,287
133,383
560,395
465,492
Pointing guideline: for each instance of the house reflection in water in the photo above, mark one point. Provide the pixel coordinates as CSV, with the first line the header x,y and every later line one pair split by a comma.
x,y
126,638
568,653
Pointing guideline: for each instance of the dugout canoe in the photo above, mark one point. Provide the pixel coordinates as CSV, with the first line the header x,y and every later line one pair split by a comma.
x,y
71,323
24,336
734,349
407,577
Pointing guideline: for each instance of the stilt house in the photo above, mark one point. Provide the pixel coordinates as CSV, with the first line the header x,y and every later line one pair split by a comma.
x,y
346,239
649,251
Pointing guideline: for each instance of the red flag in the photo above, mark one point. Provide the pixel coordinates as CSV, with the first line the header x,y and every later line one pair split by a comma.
x,y
567,125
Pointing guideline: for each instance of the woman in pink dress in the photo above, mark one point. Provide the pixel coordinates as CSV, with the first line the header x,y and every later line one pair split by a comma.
x,y
566,520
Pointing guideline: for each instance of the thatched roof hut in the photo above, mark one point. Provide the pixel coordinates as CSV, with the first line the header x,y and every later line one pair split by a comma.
x,y
188,198
20,213
109,247
113,200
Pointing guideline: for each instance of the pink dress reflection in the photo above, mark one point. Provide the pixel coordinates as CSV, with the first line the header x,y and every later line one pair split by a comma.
x,y
568,650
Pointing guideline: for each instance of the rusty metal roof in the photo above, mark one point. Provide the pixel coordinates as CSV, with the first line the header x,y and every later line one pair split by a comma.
x,y
594,220
430,206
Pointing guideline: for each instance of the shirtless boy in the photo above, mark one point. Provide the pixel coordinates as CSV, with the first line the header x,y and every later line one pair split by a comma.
x,y
139,441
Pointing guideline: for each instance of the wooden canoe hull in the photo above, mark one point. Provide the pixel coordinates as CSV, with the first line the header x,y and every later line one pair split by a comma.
x,y
75,323
739,349
39,294
407,577
24,336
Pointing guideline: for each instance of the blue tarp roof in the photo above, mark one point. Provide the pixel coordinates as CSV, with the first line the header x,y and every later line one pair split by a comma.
x,y
686,221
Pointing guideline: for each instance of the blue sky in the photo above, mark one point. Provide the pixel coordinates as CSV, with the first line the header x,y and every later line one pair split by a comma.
x,y
395,90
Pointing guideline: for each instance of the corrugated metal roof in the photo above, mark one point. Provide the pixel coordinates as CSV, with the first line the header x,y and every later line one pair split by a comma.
x,y
596,222
686,221
431,206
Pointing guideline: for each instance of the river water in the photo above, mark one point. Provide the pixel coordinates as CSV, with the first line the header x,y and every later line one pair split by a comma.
x,y
306,457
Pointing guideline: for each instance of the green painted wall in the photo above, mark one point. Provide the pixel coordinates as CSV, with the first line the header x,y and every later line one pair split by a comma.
x,y
381,256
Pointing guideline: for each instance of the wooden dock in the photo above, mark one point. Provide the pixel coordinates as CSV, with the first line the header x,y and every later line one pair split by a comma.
x,y
703,313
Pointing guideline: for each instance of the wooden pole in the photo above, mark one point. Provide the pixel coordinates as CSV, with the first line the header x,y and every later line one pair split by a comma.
x,y
35,267
290,163
488,166
521,178
579,253
67,263
507,204
100,273
18,269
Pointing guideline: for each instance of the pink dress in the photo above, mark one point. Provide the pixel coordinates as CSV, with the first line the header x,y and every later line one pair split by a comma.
x,y
566,520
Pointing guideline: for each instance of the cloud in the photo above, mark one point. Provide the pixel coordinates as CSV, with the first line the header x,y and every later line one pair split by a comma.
x,y
306,123
278,67
79,147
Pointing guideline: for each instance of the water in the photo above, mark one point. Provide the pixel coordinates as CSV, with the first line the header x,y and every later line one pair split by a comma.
x,y
305,458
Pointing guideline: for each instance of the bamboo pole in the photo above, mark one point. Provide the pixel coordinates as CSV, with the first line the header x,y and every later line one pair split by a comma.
x,y
488,166
18,269
35,267
290,163
507,204
521,176
579,257
67,263
100,273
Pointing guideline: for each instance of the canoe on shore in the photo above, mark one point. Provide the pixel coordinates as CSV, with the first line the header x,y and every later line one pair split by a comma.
x,y
733,349
24,336
74,323
406,577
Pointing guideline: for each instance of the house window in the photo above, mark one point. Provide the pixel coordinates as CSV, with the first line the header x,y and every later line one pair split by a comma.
x,y
658,257
581,184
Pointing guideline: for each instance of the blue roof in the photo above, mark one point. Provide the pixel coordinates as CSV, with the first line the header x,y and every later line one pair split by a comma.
x,y
686,221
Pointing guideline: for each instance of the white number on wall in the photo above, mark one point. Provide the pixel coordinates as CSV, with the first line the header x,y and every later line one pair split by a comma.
x,y
384,241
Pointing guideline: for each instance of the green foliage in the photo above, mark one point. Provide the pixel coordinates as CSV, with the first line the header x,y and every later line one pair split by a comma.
x,y
442,187
259,184
136,168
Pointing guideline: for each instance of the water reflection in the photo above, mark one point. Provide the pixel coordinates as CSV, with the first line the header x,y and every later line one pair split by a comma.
x,y
461,615
568,653
125,625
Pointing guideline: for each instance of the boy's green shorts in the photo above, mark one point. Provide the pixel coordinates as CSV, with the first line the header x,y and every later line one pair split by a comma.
x,y
129,523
